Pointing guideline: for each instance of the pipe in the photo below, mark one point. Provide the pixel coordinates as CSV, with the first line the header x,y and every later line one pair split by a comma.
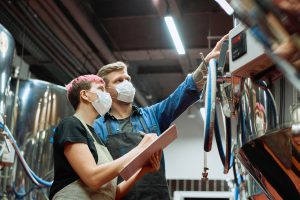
x,y
35,179
227,158
38,39
63,44
70,30
90,31
47,17
210,99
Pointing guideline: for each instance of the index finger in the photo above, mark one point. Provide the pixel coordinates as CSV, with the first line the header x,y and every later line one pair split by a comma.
x,y
142,133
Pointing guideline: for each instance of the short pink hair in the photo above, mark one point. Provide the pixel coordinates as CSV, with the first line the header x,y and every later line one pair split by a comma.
x,y
81,83
259,107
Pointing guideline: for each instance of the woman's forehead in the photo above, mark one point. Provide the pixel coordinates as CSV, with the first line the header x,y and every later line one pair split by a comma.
x,y
97,85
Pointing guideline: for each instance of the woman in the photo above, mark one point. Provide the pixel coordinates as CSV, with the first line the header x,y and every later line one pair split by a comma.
x,y
83,168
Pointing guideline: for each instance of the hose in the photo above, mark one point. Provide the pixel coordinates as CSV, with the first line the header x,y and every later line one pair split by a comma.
x,y
227,160
210,98
35,179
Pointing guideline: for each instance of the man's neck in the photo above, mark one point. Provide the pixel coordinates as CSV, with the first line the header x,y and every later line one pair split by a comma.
x,y
121,110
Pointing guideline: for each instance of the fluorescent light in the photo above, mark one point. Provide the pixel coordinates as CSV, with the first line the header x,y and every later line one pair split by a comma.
x,y
174,34
226,7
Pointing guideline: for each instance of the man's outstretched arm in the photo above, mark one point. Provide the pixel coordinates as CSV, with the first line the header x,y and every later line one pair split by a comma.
x,y
186,93
201,71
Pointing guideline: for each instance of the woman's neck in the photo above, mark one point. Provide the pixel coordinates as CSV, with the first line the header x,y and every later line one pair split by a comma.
x,y
87,113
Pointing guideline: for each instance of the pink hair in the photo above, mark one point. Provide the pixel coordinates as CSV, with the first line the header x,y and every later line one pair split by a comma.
x,y
88,78
259,107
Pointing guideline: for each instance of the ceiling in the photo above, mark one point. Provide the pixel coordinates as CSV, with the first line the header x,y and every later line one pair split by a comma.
x,y
61,39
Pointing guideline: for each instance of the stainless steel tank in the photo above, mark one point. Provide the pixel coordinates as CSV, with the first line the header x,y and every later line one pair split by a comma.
x,y
33,115
259,111
273,160
271,154
7,46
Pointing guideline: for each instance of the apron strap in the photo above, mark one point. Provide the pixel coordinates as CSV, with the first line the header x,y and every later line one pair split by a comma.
x,y
87,129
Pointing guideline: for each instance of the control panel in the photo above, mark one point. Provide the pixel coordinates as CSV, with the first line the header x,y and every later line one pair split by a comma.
x,y
246,55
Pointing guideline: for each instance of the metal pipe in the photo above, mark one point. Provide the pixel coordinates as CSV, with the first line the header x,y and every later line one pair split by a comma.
x,y
61,50
88,28
44,13
38,39
73,33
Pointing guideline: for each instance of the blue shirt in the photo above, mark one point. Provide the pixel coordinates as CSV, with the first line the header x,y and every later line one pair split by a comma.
x,y
157,117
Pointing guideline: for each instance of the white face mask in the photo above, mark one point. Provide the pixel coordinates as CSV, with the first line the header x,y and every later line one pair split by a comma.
x,y
260,125
125,91
103,102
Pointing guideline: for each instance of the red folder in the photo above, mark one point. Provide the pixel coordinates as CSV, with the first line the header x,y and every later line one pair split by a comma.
x,y
140,159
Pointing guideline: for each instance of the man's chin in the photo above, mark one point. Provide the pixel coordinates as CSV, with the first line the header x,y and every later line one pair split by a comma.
x,y
122,102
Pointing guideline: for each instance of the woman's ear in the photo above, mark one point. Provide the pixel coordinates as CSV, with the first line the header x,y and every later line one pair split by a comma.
x,y
83,95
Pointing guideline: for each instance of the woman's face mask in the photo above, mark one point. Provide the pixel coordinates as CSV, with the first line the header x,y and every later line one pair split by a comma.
x,y
125,91
103,102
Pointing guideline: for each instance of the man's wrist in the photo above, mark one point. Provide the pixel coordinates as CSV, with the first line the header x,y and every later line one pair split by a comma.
x,y
199,75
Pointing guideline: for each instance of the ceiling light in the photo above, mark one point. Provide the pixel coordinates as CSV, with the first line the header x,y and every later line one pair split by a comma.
x,y
226,7
174,34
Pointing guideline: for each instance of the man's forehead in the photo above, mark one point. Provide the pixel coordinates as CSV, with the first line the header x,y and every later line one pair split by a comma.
x,y
120,72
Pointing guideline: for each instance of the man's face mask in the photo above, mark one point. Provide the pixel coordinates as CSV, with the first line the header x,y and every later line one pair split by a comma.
x,y
103,102
125,91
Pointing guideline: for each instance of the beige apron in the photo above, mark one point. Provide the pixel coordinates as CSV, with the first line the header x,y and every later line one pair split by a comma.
x,y
77,190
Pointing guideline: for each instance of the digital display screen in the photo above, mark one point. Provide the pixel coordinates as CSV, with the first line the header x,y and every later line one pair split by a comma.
x,y
238,45
236,39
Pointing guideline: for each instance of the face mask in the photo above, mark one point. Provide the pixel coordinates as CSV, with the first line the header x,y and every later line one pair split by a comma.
x,y
103,102
125,91
260,125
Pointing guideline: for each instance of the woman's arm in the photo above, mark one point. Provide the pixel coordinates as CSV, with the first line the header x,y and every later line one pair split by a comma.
x,y
125,186
93,175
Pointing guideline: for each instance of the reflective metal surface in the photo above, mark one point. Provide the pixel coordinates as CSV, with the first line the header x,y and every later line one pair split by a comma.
x,y
275,24
273,160
39,107
7,46
258,197
259,112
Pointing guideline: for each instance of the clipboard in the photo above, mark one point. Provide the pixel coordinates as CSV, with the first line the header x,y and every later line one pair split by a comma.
x,y
140,159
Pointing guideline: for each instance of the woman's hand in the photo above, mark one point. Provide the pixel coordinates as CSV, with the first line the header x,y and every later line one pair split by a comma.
x,y
154,163
147,140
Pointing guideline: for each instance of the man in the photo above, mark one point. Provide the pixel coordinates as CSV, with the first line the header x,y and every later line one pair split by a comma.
x,y
121,126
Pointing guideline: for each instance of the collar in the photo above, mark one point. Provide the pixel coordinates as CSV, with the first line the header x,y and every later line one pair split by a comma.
x,y
135,111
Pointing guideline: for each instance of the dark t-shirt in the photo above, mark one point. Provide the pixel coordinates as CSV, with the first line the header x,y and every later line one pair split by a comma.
x,y
125,125
70,129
